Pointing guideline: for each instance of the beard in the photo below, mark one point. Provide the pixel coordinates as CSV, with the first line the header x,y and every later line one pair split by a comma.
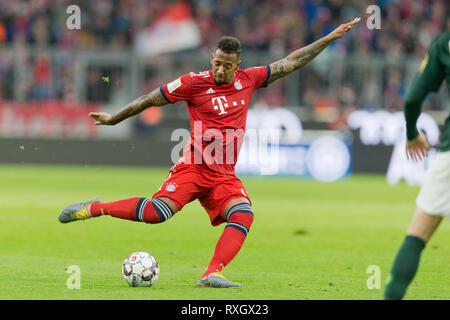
x,y
220,81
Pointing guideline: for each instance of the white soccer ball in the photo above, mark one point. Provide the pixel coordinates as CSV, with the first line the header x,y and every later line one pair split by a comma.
x,y
140,269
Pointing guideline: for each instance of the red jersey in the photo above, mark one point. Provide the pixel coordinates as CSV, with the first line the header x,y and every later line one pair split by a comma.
x,y
217,113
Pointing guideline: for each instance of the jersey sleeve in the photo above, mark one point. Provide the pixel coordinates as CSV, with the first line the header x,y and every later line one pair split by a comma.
x,y
259,76
431,71
428,79
178,90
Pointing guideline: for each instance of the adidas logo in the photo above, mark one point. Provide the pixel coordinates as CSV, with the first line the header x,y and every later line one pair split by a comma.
x,y
210,91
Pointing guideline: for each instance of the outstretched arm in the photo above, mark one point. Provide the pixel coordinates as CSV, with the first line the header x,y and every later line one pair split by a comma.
x,y
153,99
302,56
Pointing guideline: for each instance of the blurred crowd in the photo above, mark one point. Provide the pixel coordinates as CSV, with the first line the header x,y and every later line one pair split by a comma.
x,y
275,26
408,26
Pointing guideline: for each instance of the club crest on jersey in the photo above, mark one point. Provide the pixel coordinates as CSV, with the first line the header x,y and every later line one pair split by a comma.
x,y
171,187
238,85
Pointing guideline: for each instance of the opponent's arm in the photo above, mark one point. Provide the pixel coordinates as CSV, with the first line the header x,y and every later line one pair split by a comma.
x,y
416,144
428,79
302,56
153,99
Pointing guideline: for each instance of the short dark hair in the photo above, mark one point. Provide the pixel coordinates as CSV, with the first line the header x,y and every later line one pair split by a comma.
x,y
229,44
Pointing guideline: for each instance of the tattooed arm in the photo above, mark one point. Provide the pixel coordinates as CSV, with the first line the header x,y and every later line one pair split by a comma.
x,y
302,56
153,99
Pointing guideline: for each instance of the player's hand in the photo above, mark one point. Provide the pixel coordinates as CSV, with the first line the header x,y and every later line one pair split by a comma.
x,y
340,31
102,118
417,148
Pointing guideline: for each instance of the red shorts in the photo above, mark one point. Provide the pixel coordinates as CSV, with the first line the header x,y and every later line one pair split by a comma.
x,y
187,182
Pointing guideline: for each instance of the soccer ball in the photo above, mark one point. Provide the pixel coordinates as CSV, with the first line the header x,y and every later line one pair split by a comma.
x,y
140,269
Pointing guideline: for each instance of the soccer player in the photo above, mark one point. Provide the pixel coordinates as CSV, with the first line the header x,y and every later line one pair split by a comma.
x,y
433,201
218,101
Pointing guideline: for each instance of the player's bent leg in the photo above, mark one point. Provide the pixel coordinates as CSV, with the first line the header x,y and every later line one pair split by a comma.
x,y
407,260
135,209
239,219
155,211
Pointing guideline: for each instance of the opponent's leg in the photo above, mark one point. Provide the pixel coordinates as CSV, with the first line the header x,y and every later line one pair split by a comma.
x,y
239,216
407,260
136,209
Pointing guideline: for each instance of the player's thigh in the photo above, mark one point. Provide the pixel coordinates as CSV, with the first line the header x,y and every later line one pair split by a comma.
x,y
228,191
423,225
179,188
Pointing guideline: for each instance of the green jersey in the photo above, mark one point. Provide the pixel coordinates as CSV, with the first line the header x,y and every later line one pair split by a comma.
x,y
434,69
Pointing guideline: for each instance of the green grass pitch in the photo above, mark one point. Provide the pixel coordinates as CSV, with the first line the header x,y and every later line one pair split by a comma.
x,y
309,240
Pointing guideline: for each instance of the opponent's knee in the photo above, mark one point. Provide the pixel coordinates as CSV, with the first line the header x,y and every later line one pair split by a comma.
x,y
153,211
240,217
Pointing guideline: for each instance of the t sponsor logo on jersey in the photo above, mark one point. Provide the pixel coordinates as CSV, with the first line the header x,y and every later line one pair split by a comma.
x,y
221,104
172,86
238,85
210,91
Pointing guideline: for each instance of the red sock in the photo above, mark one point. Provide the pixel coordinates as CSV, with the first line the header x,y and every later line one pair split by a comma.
x,y
124,209
231,241
228,246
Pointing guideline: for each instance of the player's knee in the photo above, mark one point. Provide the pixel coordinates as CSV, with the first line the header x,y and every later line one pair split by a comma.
x,y
153,211
240,217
